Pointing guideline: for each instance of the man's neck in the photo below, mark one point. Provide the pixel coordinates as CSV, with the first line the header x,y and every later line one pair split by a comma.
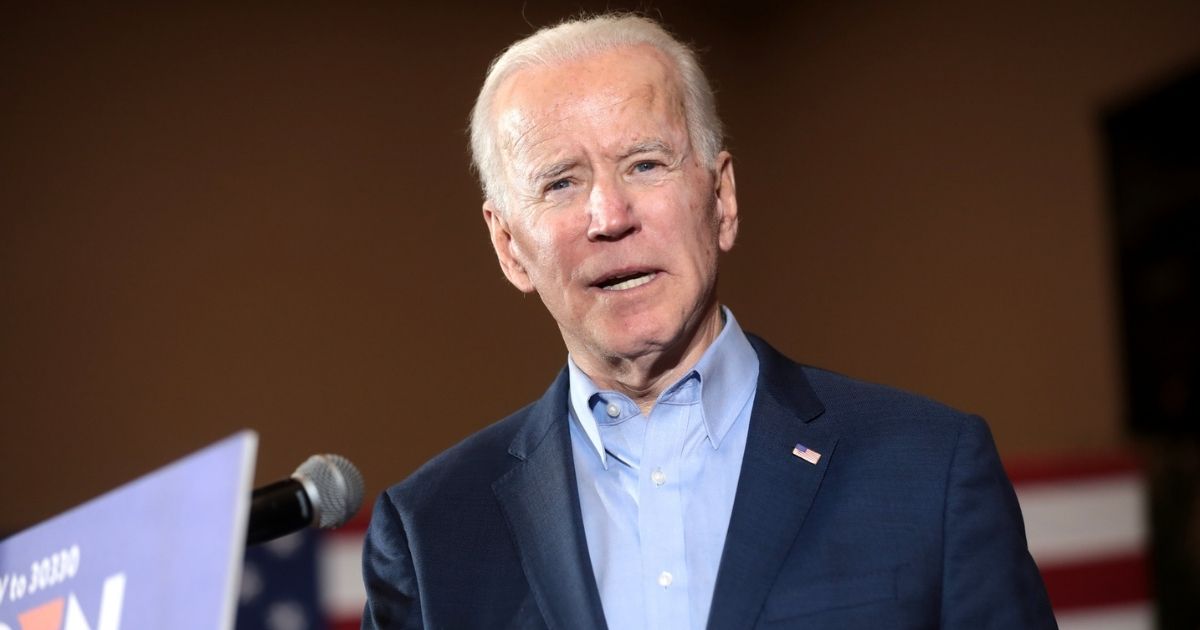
x,y
644,377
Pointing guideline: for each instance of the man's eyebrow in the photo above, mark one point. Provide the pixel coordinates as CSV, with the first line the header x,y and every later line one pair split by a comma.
x,y
552,170
647,146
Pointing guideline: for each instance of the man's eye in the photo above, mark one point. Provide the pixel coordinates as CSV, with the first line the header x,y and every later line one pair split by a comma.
x,y
644,167
558,185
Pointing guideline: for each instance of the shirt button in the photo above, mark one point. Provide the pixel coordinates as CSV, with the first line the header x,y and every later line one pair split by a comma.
x,y
665,578
613,410
658,477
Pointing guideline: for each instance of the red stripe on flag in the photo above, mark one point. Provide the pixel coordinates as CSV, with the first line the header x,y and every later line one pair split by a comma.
x,y
356,526
1101,582
1070,468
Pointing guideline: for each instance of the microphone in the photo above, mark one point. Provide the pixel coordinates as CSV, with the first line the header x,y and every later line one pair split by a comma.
x,y
326,491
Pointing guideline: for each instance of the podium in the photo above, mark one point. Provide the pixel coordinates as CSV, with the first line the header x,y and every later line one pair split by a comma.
x,y
163,551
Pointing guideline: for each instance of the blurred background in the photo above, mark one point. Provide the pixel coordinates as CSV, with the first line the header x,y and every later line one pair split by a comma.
x,y
217,216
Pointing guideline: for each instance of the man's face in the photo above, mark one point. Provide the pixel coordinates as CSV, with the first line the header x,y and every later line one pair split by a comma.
x,y
611,216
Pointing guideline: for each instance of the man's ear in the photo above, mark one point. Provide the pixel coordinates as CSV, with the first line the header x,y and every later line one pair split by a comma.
x,y
507,250
726,194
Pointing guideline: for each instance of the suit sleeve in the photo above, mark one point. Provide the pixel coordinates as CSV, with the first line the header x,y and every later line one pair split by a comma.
x,y
388,572
989,578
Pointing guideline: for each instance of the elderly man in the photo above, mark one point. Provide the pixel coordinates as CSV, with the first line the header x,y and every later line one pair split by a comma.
x,y
678,473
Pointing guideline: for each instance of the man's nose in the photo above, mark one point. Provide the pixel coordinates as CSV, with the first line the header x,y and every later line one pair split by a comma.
x,y
610,212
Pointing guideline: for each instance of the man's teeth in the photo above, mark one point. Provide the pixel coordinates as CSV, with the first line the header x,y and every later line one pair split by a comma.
x,y
635,281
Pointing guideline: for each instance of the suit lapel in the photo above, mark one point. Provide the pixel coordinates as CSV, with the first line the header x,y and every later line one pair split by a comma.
x,y
540,501
775,489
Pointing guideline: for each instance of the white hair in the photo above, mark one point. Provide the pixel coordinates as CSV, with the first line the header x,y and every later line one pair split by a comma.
x,y
578,38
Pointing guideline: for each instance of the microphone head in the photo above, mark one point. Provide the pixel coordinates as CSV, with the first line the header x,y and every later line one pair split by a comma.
x,y
335,488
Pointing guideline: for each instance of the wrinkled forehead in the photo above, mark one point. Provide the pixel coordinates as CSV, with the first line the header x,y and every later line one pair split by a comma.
x,y
541,102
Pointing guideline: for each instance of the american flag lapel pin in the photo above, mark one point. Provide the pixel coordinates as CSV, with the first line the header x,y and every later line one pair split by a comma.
x,y
807,454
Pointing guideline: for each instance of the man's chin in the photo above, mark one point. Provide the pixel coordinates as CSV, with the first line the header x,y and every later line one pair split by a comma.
x,y
632,341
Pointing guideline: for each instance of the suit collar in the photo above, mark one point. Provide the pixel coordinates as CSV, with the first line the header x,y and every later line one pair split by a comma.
x,y
775,488
784,380
541,506
540,418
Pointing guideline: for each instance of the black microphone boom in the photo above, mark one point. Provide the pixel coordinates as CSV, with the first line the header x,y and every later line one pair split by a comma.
x,y
278,509
326,491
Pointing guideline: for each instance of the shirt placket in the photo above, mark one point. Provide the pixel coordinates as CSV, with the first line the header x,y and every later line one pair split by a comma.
x,y
660,518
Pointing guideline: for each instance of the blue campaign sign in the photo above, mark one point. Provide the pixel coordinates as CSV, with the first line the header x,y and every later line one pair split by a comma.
x,y
163,551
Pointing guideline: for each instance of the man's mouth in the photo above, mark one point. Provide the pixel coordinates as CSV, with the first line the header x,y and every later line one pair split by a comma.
x,y
626,281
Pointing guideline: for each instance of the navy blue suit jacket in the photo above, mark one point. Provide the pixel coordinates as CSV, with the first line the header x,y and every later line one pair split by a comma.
x,y
907,521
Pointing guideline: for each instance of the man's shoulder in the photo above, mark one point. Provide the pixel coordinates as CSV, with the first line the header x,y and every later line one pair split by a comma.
x,y
856,405
842,392
481,454
885,421
467,470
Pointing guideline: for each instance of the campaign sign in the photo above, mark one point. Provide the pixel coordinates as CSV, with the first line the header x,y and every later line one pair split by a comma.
x,y
162,552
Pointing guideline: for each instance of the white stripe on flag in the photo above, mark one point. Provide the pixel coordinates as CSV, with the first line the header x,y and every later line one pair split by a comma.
x,y
339,567
1133,617
1078,520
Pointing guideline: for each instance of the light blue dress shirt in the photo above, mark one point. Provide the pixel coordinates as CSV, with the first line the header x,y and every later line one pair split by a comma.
x,y
656,492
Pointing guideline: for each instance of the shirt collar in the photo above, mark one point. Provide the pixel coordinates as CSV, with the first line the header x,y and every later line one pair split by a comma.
x,y
727,372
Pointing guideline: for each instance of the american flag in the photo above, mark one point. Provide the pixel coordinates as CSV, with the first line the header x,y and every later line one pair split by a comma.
x,y
310,580
1085,519
1087,524
807,454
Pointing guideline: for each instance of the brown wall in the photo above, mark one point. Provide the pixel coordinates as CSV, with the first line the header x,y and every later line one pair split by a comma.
x,y
214,218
